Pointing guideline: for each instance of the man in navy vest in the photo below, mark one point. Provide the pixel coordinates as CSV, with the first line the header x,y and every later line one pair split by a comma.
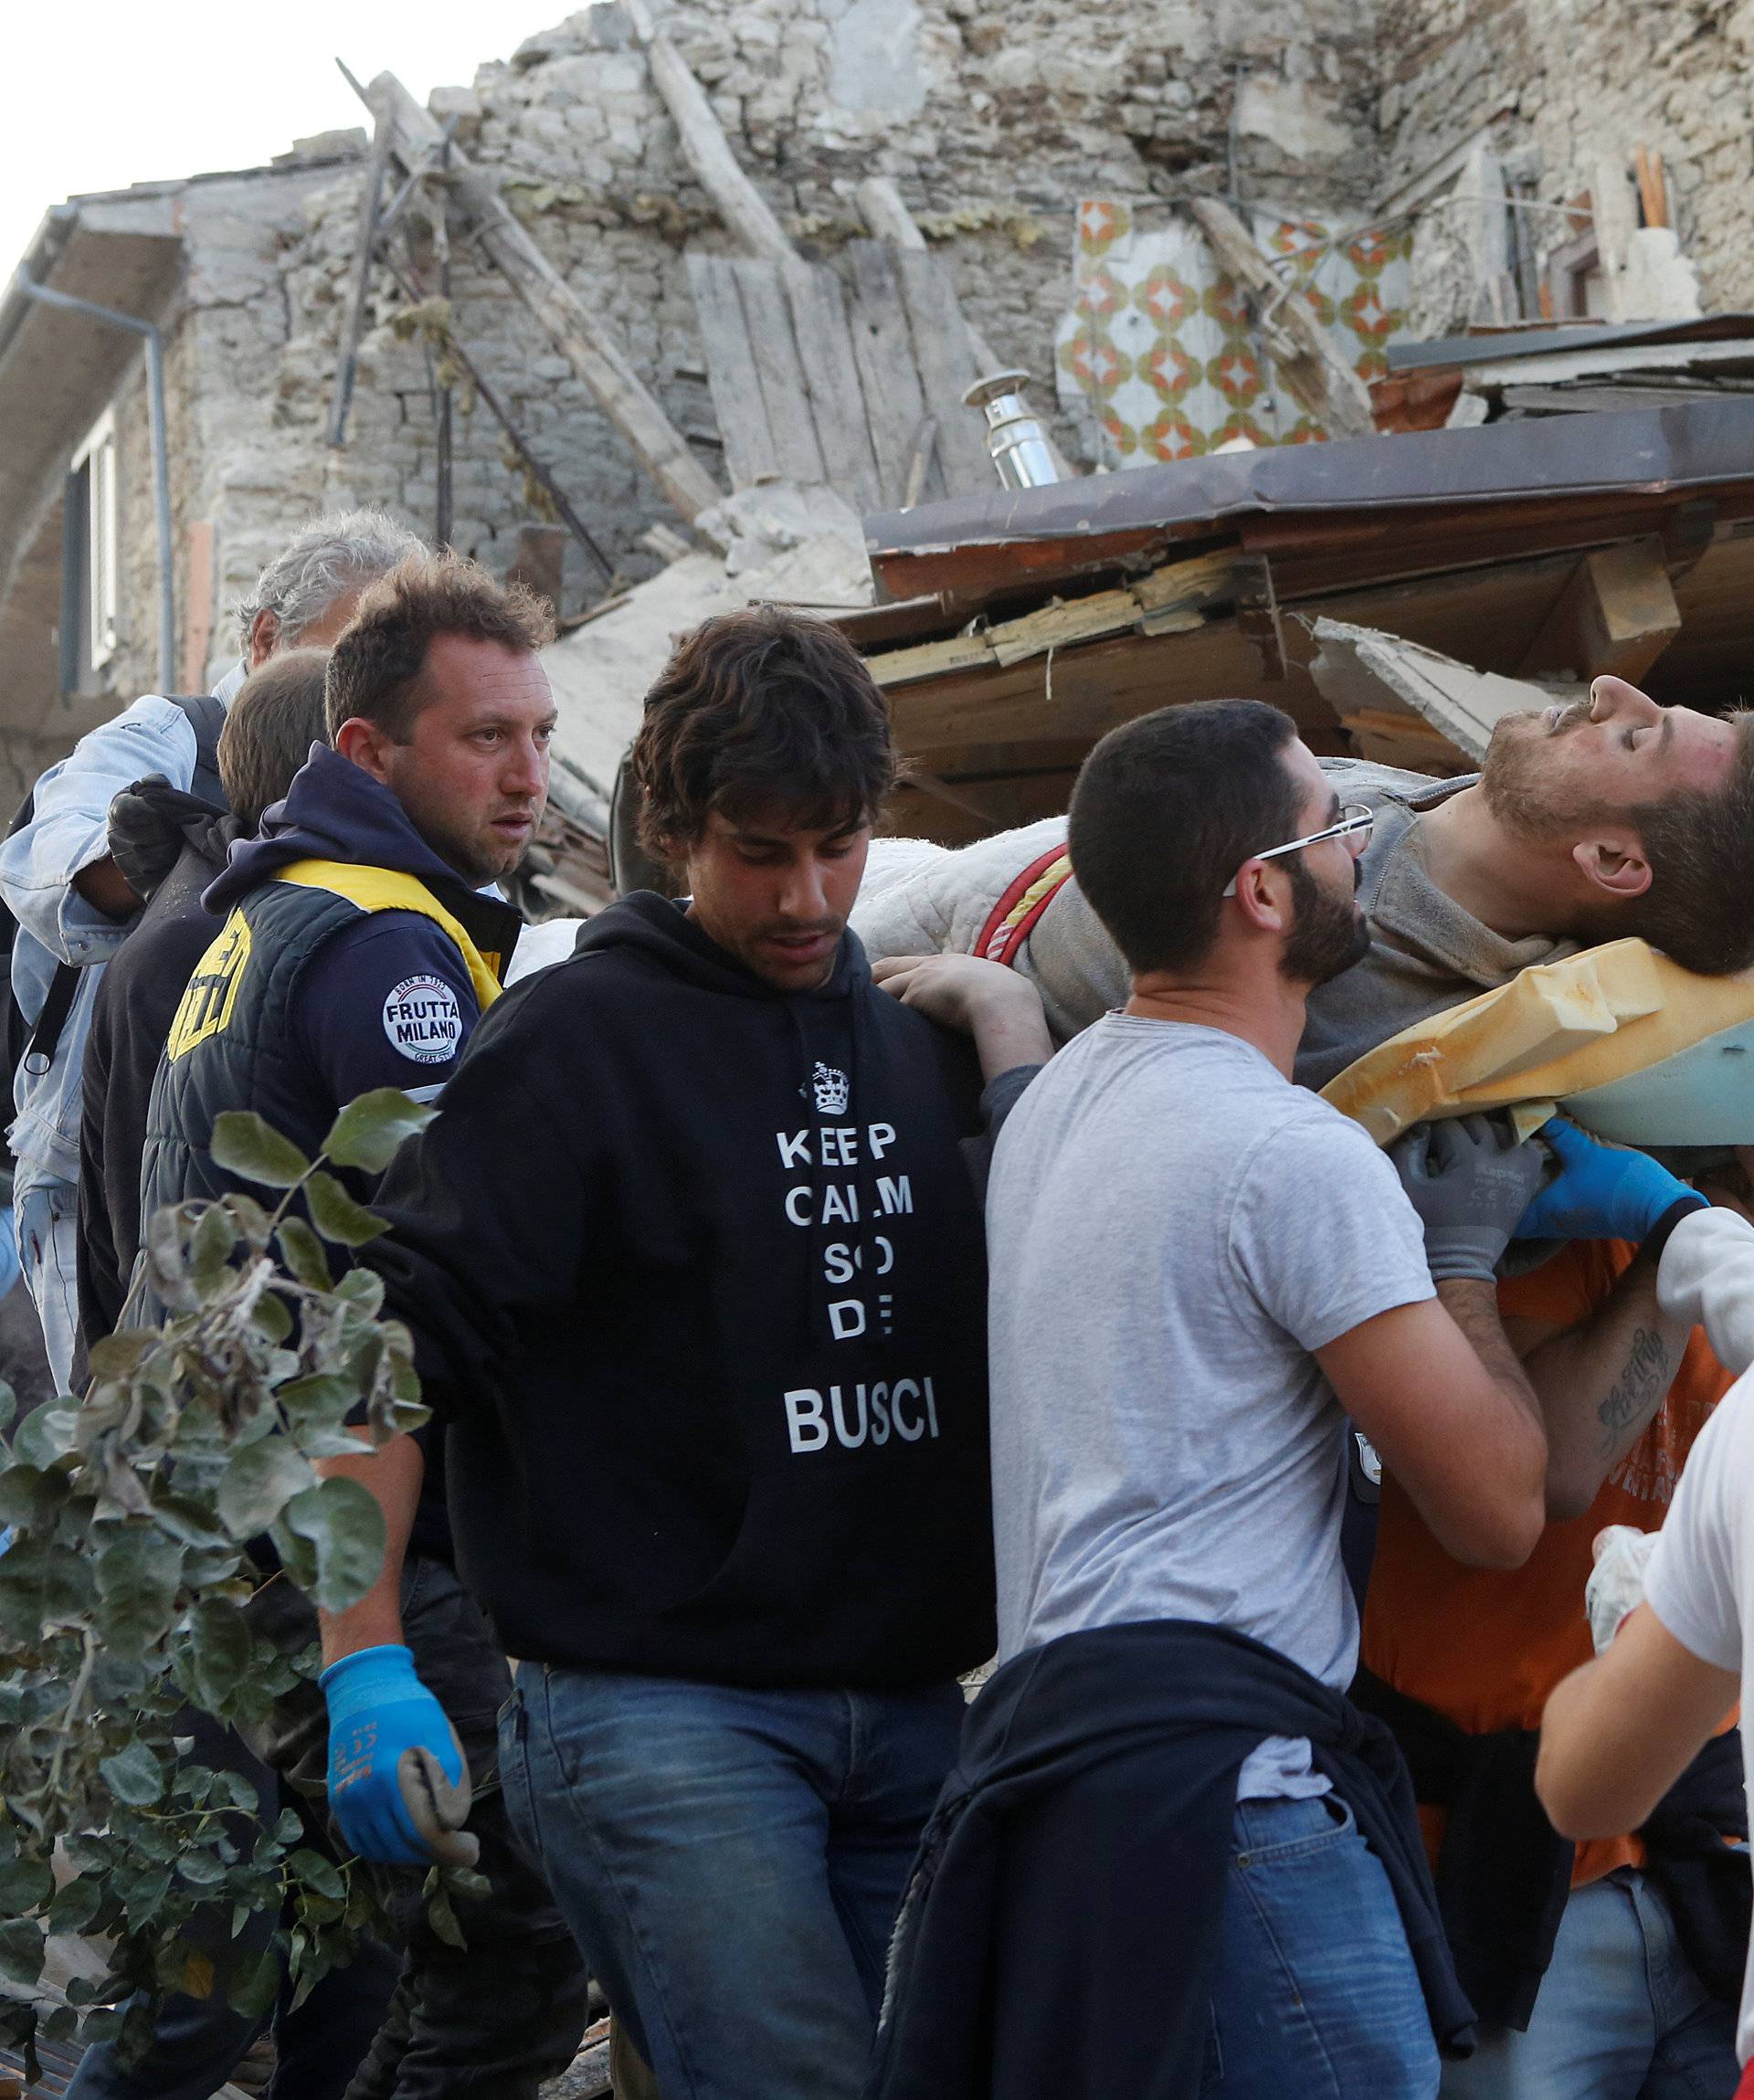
x,y
75,903
357,950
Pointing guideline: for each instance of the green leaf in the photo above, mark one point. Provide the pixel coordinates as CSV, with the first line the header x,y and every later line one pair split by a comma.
x,y
28,1496
362,1288
258,1481
368,1132
76,1903
335,1214
145,1896
319,1873
21,1950
138,1571
246,1144
133,1775
210,1252
46,1434
271,1318
188,1519
255,1984
200,1869
341,1522
118,1357
42,1583
316,1410
443,1919
8,1404
303,1252
216,1658
23,1884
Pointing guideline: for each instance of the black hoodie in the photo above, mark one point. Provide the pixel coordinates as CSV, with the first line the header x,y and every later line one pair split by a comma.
x,y
696,1274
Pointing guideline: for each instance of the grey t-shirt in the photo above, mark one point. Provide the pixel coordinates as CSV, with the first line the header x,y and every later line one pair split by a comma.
x,y
1172,1229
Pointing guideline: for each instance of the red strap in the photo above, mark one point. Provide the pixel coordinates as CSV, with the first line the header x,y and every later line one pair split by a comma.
x,y
1745,2089
1012,920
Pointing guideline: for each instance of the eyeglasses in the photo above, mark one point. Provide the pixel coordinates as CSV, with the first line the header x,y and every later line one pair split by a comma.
x,y
1353,825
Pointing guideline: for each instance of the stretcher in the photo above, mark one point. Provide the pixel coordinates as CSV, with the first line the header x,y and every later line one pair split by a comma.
x,y
1630,1045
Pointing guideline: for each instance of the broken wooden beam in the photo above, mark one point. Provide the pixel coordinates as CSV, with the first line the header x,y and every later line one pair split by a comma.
x,y
359,283
538,561
1166,601
1617,615
707,151
411,290
881,206
1314,373
579,336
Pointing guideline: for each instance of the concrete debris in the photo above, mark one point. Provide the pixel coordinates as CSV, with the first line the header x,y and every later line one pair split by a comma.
x,y
1393,694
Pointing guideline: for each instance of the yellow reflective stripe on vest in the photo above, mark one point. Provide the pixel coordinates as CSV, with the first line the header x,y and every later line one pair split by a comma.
x,y
204,1009
387,889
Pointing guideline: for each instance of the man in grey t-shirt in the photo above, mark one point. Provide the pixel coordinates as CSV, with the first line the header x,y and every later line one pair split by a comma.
x,y
1195,1265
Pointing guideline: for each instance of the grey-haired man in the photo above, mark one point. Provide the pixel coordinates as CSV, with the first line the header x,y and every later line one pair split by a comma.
x,y
73,903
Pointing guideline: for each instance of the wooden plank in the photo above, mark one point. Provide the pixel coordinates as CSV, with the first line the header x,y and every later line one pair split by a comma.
x,y
930,660
825,350
882,356
578,334
750,457
704,145
947,365
197,597
768,320
1652,191
1616,615
1061,626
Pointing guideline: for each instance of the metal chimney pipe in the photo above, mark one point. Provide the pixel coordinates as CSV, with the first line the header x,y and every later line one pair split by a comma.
x,y
1014,436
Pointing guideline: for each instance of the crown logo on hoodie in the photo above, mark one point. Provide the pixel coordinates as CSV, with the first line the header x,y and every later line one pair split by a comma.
x,y
831,1090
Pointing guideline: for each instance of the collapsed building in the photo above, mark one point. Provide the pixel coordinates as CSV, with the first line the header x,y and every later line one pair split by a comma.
x,y
664,314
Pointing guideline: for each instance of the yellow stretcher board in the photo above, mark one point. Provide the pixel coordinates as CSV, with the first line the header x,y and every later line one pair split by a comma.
x,y
1629,1044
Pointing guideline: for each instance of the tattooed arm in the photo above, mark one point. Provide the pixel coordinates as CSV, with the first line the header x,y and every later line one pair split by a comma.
x,y
1599,1382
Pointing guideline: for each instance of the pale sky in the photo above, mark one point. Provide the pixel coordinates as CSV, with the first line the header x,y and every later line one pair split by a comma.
x,y
107,93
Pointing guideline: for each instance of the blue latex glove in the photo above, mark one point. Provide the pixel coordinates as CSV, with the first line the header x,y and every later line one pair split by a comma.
x,y
398,1782
1600,1193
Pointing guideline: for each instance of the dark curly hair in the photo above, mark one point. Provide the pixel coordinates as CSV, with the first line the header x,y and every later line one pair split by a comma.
x,y
757,711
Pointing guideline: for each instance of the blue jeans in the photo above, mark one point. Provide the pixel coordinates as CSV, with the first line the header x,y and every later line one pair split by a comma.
x,y
47,1221
1315,1995
730,1862
1622,2014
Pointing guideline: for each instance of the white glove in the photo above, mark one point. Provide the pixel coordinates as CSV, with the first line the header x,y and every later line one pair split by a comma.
x,y
1616,1583
1706,1278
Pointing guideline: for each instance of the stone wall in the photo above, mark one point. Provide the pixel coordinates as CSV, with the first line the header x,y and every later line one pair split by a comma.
x,y
1579,78
993,119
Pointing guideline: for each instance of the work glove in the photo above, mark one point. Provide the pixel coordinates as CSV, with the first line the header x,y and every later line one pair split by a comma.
x,y
1616,1585
1601,1192
146,835
1706,1279
398,1781
1470,1180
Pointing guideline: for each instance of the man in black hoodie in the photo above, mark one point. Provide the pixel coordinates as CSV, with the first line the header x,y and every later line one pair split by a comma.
x,y
269,731
695,1266
357,951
